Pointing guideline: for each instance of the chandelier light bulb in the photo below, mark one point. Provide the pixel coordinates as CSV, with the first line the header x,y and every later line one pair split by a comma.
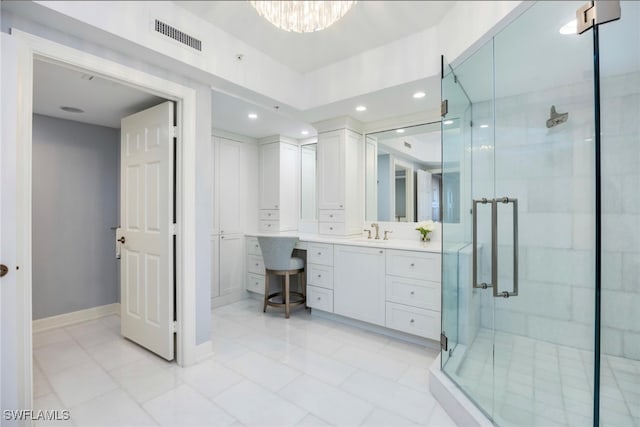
x,y
302,16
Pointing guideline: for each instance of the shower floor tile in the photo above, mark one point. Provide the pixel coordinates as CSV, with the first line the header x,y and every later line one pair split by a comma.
x,y
547,384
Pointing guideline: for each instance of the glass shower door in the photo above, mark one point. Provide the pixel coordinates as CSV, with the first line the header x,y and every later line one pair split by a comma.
x,y
528,356
620,158
456,144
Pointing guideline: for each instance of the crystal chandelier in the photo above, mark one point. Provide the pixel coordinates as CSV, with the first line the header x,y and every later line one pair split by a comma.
x,y
302,16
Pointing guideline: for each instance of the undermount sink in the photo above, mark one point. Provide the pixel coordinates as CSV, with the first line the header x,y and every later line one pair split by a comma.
x,y
371,241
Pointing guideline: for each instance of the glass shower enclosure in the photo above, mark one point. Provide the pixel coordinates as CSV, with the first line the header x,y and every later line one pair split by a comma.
x,y
541,220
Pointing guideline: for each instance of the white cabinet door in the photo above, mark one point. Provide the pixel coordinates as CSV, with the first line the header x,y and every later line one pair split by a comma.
x,y
331,181
289,198
270,176
229,188
371,179
353,182
232,269
359,283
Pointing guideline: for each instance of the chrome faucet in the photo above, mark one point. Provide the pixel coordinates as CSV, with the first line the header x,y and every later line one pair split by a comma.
x,y
377,227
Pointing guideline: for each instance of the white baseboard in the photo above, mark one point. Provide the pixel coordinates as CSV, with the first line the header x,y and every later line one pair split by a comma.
x,y
204,351
75,317
235,296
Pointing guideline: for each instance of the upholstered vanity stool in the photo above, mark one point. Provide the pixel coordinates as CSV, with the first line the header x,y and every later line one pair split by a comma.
x,y
276,252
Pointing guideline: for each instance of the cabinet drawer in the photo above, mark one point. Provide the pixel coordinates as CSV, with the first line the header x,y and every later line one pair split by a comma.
x,y
331,228
255,283
320,298
320,253
414,292
253,247
320,275
415,321
415,265
331,215
255,264
269,214
268,226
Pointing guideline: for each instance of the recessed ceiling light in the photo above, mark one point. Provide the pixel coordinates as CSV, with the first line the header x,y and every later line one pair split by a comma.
x,y
400,130
484,126
448,122
570,27
252,116
71,109
361,108
419,95
305,132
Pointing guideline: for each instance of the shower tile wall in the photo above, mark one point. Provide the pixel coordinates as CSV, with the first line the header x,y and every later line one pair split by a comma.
x,y
621,218
551,172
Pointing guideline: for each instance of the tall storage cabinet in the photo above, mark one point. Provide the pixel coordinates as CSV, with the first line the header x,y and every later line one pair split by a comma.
x,y
340,182
234,165
279,187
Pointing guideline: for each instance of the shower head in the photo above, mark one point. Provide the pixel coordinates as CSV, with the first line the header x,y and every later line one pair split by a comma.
x,y
556,118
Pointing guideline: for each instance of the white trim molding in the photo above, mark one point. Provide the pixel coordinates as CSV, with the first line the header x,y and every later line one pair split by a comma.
x,y
32,47
74,317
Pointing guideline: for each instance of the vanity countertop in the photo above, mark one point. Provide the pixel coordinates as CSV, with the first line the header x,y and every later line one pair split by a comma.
x,y
400,244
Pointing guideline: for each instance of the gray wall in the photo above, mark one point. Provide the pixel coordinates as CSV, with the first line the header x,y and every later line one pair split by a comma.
x,y
75,202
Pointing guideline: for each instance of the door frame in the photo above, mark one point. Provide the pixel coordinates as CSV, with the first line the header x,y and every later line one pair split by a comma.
x,y
31,48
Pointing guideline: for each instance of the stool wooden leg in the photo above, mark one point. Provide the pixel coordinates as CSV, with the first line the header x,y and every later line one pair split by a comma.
x,y
303,282
266,291
286,295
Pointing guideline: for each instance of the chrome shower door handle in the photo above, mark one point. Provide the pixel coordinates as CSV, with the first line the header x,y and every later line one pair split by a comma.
x,y
494,269
494,238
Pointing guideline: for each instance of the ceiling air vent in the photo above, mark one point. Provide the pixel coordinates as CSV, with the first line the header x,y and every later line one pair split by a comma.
x,y
178,35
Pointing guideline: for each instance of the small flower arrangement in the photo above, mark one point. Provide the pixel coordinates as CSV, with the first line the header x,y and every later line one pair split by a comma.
x,y
425,227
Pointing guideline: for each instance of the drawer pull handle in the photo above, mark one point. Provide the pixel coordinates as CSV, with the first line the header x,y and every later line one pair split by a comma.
x,y
412,321
319,253
319,275
319,298
257,264
413,292
381,251
269,214
330,228
413,264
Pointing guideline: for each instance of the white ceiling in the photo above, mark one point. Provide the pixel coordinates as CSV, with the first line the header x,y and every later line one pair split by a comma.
x,y
104,102
231,114
367,25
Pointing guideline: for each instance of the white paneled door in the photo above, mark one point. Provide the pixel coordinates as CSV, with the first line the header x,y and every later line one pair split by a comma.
x,y
146,234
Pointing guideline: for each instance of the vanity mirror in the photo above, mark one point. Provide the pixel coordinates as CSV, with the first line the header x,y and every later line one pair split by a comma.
x,y
403,176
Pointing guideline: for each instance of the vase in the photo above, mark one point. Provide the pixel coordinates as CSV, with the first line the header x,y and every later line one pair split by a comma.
x,y
425,238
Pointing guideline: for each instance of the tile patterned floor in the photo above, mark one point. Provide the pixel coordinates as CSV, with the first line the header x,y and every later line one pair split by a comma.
x,y
265,371
534,383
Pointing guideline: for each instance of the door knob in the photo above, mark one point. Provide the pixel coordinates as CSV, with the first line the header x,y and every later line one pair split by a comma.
x,y
3,270
122,240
